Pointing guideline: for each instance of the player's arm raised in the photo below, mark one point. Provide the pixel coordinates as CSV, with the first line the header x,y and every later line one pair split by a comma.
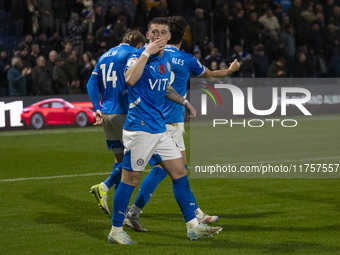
x,y
133,74
234,67
173,96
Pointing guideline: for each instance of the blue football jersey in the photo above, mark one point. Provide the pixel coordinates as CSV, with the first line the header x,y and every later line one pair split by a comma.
x,y
147,96
108,75
182,65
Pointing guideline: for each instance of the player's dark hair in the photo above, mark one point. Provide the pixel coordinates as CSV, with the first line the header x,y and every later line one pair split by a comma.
x,y
177,28
159,21
134,38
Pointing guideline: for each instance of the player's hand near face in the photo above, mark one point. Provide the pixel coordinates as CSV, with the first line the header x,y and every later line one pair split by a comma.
x,y
99,118
156,46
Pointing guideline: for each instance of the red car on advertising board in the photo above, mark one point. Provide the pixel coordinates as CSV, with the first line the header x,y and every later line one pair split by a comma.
x,y
56,111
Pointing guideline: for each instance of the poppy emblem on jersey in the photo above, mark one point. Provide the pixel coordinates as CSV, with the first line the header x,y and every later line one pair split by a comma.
x,y
168,66
140,162
161,69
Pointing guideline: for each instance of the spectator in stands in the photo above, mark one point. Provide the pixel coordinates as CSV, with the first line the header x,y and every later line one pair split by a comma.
x,y
214,56
26,43
300,65
60,14
141,16
260,62
56,42
331,36
32,57
16,10
237,28
23,53
199,30
51,61
76,29
44,46
119,29
294,13
220,27
160,9
4,67
86,67
31,12
17,78
99,18
287,36
45,16
41,78
71,68
277,69
246,68
111,16
269,21
67,50
125,12
104,38
315,47
59,78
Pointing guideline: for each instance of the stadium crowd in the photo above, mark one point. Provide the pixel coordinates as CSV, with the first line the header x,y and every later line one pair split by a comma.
x,y
51,47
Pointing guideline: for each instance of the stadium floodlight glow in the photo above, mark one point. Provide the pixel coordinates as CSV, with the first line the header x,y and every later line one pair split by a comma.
x,y
239,102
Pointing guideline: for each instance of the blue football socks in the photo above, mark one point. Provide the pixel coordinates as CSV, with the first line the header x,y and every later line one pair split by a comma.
x,y
120,203
115,176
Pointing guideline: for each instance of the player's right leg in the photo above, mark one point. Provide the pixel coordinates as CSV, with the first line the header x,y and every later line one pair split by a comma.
x,y
112,127
139,147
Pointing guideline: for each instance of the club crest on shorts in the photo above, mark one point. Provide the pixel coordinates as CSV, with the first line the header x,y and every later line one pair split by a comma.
x,y
140,162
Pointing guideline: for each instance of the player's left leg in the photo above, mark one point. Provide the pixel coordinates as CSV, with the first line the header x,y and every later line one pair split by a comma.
x,y
112,127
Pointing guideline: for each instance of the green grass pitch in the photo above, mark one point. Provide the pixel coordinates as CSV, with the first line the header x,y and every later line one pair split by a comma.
x,y
57,215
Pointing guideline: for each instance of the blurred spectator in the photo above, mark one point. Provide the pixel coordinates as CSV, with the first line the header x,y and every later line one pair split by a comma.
x,y
214,56
104,38
41,78
277,69
328,10
71,68
4,67
76,28
279,12
86,67
246,68
27,42
60,80
111,16
23,55
274,46
141,16
294,13
55,42
67,50
300,66
125,12
119,30
260,62
335,18
99,18
252,26
51,61
237,28
31,24
220,27
331,36
44,46
45,16
269,21
309,13
287,37
160,9
315,47
16,10
32,57
60,16
199,30
17,78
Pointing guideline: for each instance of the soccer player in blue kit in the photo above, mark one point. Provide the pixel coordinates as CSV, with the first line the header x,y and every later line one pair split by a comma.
x,y
144,133
108,76
182,65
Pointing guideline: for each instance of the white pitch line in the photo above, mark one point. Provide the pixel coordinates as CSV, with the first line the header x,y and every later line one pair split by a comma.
x,y
57,177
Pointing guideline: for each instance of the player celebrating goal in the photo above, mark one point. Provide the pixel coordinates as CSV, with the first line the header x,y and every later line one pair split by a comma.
x,y
148,75
183,64
108,76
